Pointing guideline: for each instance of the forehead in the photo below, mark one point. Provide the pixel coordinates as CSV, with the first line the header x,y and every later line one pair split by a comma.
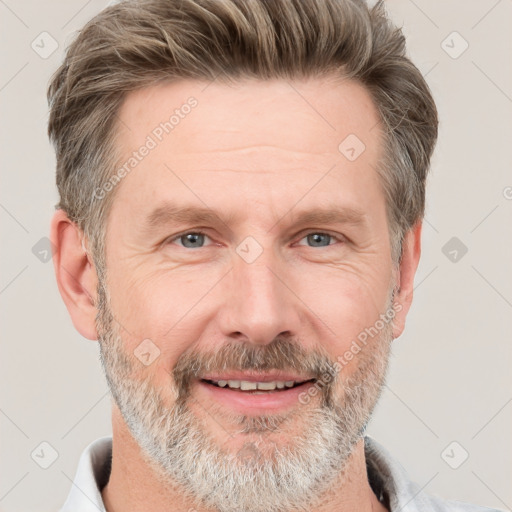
x,y
248,141
327,110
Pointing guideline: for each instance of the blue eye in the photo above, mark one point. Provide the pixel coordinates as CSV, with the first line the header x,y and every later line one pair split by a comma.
x,y
192,240
318,239
196,239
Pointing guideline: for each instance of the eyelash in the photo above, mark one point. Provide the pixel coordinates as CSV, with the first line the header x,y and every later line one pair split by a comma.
x,y
338,238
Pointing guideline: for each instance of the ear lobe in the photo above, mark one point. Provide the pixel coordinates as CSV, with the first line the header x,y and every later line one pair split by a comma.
x,y
76,275
411,251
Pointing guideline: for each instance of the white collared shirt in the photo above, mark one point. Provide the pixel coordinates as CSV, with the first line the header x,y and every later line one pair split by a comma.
x,y
387,478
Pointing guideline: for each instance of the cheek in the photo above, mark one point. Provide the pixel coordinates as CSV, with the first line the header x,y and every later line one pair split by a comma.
x,y
165,306
345,303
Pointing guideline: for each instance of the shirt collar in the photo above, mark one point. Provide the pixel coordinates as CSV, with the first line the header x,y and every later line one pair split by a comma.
x,y
91,476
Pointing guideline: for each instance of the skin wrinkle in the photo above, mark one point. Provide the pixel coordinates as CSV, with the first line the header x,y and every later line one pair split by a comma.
x,y
250,149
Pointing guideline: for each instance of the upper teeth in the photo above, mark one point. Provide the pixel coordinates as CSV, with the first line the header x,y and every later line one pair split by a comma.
x,y
246,385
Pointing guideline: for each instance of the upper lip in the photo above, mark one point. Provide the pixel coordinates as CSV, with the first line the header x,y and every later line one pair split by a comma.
x,y
257,376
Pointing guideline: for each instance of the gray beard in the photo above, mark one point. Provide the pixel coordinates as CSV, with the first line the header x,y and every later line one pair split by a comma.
x,y
265,475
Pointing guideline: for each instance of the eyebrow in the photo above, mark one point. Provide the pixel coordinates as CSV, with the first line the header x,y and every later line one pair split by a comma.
x,y
170,213
330,215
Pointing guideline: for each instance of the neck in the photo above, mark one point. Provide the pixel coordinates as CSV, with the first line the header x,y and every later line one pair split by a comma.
x,y
134,486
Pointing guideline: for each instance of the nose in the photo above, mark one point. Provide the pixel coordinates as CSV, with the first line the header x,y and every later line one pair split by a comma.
x,y
260,303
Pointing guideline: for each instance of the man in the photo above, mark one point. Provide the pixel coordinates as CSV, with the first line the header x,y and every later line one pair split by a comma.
x,y
242,185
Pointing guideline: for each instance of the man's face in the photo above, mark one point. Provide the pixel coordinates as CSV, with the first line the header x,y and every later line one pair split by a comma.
x,y
286,265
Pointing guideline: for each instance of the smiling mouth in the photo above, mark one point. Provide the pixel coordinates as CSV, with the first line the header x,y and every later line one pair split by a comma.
x,y
252,387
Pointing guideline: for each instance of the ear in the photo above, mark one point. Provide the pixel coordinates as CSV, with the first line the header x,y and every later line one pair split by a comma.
x,y
411,250
76,275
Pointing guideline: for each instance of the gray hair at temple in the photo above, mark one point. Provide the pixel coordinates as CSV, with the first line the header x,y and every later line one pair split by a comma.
x,y
135,44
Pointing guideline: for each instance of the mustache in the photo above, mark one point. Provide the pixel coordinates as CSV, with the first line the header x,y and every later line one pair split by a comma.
x,y
281,354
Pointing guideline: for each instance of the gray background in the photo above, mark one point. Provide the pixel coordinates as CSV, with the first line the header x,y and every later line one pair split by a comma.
x,y
450,371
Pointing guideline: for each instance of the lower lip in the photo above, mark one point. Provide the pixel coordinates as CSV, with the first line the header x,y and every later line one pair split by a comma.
x,y
249,402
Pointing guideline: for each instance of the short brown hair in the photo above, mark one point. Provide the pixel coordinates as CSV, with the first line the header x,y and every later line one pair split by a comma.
x,y
136,44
